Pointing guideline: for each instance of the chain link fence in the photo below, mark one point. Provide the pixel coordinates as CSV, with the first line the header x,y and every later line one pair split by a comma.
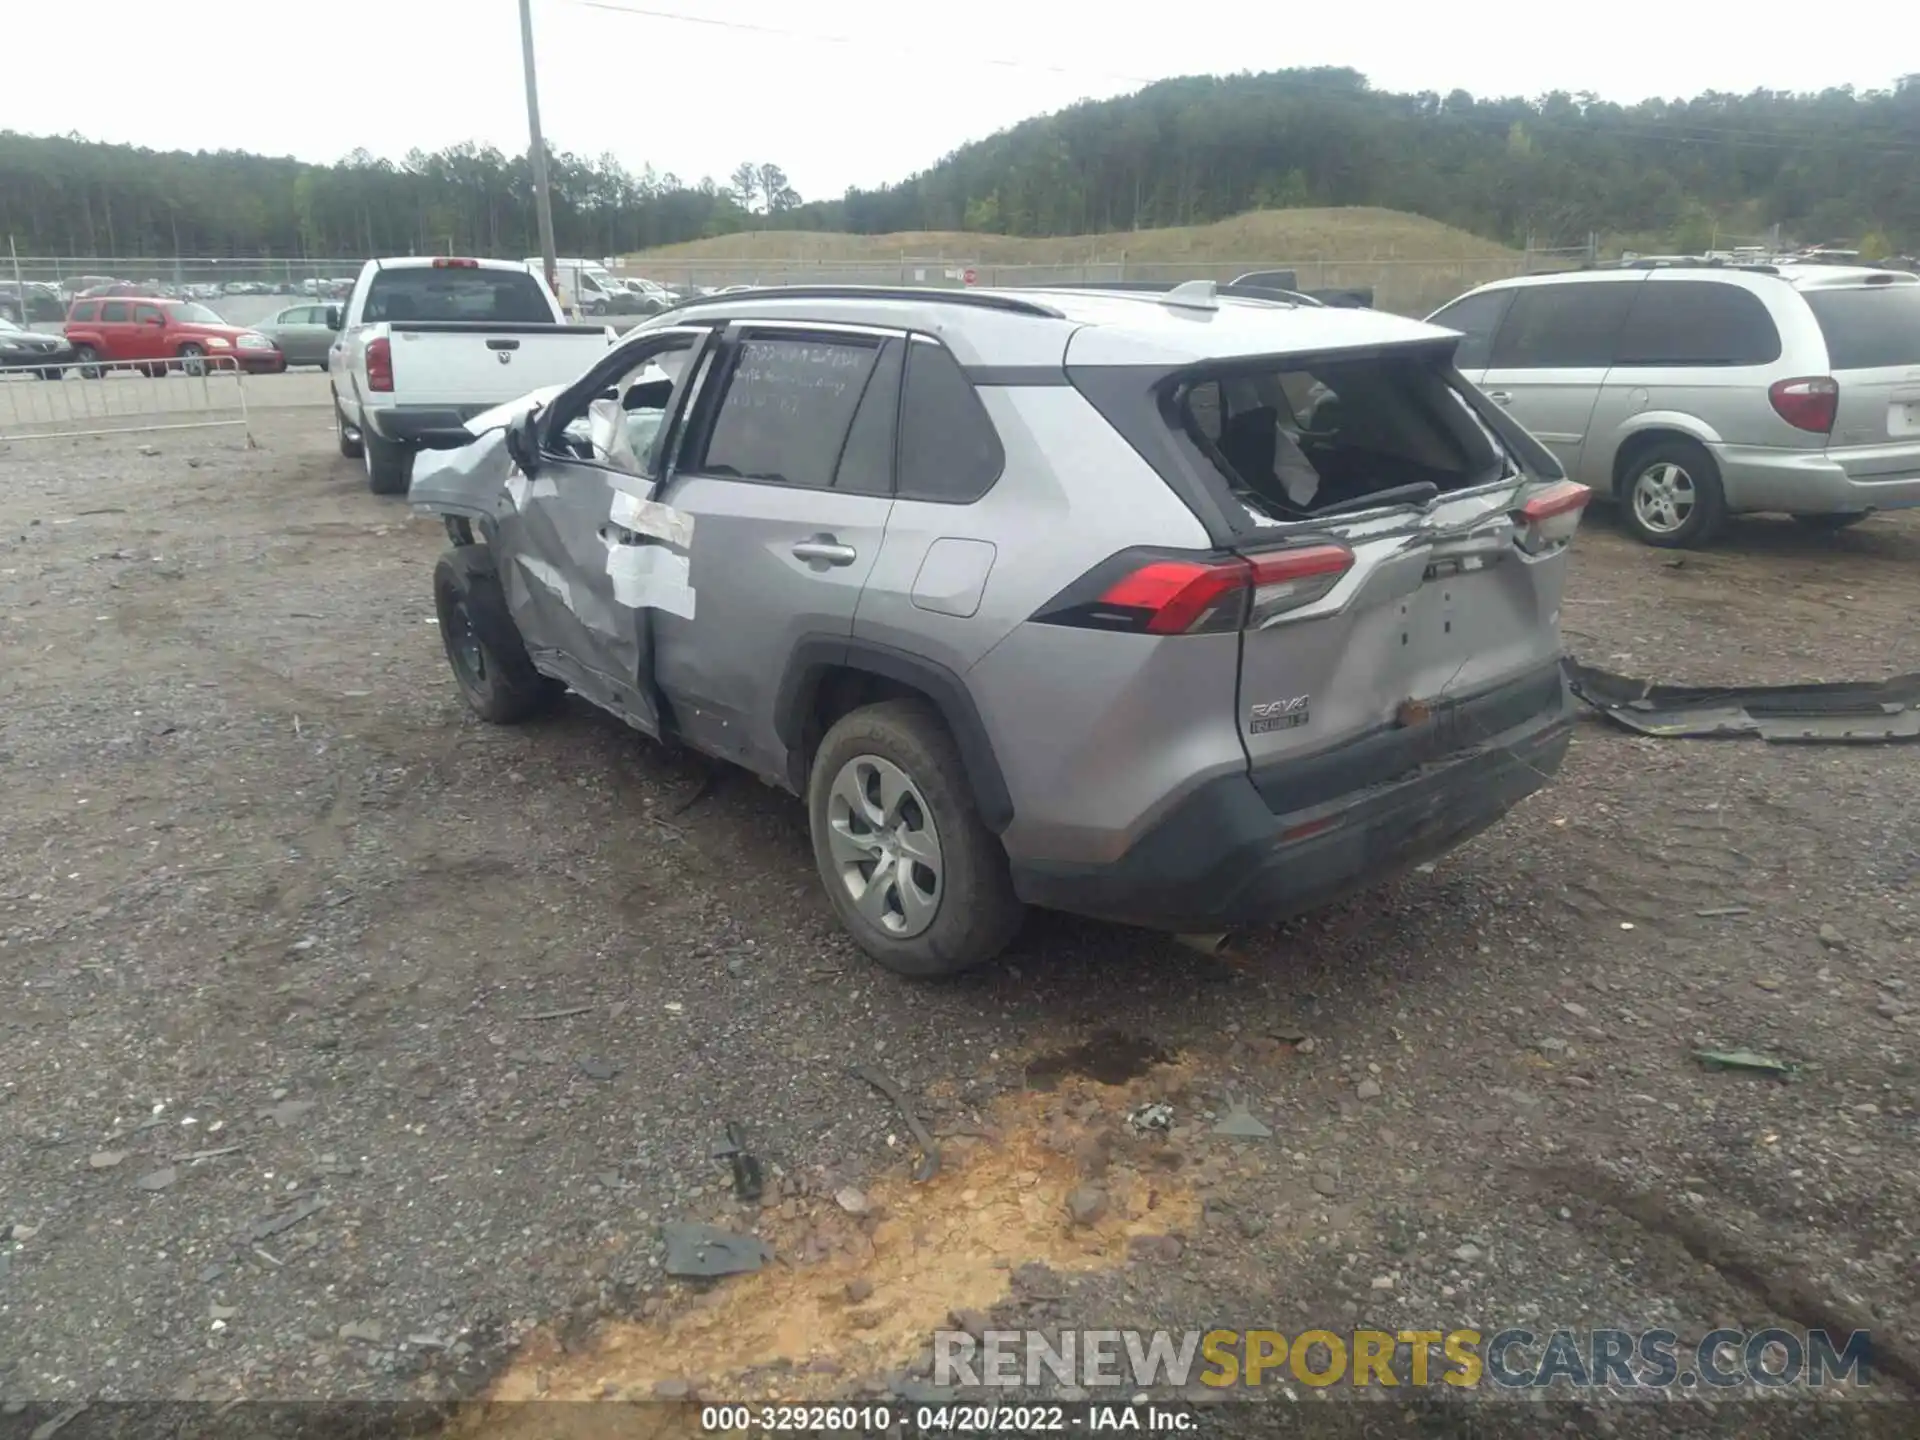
x,y
247,292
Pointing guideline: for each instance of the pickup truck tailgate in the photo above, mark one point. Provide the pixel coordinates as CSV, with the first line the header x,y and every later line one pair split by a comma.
x,y
476,366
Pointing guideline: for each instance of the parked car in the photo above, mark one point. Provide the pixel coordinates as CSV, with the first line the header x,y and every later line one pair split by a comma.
x,y
635,296
472,333
586,285
302,333
1179,609
1690,392
180,335
22,349
42,303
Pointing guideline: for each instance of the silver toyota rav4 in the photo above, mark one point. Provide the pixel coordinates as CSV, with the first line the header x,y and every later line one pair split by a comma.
x,y
1191,609
1693,391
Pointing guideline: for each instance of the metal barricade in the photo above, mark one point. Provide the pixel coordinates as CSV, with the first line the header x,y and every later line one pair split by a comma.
x,y
123,397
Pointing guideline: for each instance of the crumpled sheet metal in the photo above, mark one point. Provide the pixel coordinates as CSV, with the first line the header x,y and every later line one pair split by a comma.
x,y
1846,713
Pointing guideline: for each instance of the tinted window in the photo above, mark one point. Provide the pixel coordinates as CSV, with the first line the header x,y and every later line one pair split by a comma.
x,y
1560,327
949,449
1869,328
1696,322
145,314
787,408
1476,317
866,463
478,296
87,310
114,310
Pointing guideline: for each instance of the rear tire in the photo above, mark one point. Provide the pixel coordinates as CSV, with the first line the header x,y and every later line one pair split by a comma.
x,y
350,445
916,878
484,649
1831,524
1670,495
389,465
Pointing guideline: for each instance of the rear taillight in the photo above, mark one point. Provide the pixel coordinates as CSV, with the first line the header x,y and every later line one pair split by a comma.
x,y
1162,594
1549,517
380,365
1809,403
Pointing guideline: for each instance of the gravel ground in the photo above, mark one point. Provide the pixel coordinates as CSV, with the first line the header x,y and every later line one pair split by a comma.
x,y
355,1049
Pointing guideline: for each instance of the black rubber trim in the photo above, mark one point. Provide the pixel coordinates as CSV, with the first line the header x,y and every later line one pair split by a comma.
x,y
1016,375
815,655
1394,751
411,422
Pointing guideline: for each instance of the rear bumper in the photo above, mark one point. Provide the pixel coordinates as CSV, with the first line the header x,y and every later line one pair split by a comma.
x,y
1225,859
1816,482
405,423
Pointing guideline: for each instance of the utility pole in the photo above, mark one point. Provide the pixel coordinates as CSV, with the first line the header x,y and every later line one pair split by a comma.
x,y
542,205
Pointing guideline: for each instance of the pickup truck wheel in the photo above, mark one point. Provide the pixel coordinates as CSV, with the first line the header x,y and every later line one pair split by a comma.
x,y
389,465
350,445
915,877
483,644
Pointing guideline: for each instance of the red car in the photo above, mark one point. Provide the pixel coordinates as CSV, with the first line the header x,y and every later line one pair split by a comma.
x,y
173,334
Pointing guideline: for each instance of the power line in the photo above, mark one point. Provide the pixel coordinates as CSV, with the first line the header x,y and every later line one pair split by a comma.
x,y
1678,130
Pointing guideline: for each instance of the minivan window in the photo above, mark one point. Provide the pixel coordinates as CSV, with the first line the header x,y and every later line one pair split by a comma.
x,y
1562,327
1476,317
456,293
1870,328
949,449
1696,322
787,407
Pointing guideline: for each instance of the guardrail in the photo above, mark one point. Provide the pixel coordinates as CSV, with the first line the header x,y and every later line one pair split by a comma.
x,y
123,397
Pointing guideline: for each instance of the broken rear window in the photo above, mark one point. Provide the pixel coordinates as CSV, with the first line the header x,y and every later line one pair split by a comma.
x,y
1297,438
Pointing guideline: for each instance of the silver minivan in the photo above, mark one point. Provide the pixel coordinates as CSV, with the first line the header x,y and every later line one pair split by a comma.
x,y
1693,391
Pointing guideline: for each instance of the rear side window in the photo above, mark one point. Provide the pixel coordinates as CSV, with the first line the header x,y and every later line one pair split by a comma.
x,y
1476,317
1696,322
787,408
112,311
87,310
1563,327
866,461
497,297
949,449
1870,328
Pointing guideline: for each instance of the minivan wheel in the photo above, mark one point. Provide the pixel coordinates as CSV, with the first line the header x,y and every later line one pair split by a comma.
x,y
484,649
1671,495
914,875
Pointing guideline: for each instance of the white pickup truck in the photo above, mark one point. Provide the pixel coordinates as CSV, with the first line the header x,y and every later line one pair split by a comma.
x,y
428,342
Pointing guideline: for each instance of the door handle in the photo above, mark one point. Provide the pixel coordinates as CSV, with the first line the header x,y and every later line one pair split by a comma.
x,y
825,550
1500,397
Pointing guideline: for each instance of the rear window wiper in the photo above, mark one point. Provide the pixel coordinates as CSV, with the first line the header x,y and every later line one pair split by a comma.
x,y
1417,494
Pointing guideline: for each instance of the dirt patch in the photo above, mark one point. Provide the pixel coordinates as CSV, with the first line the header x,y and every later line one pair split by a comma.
x,y
857,1294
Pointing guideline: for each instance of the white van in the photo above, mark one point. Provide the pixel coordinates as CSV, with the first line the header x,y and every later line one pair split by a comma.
x,y
585,285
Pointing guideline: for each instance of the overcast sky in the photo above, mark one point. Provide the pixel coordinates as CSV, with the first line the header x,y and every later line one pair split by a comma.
x,y
838,92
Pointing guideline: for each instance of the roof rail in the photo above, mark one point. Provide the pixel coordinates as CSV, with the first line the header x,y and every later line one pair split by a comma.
x,y
978,299
1652,263
1163,287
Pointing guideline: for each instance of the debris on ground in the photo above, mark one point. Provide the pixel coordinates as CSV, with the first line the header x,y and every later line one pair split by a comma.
x,y
273,1225
1241,1124
1155,1118
158,1179
1743,1060
594,1068
749,1183
706,1251
928,1165
1846,713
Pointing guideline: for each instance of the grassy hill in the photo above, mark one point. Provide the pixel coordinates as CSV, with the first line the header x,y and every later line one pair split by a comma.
x,y
1353,233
